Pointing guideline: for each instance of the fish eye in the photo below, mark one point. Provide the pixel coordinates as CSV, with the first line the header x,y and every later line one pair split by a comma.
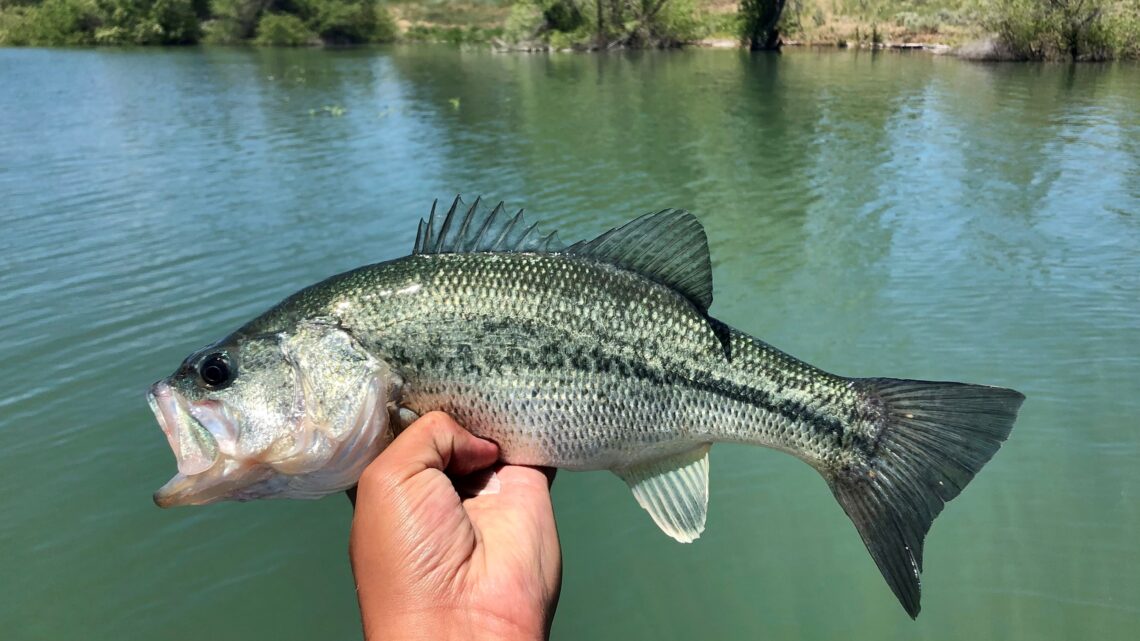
x,y
215,370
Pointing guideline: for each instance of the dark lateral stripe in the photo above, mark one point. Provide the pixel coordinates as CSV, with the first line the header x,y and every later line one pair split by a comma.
x,y
536,350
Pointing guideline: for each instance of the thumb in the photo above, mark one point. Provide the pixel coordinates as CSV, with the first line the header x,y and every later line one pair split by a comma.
x,y
399,493
434,441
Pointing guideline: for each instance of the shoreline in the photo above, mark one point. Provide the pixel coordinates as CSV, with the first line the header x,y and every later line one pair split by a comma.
x,y
984,49
1110,29
937,48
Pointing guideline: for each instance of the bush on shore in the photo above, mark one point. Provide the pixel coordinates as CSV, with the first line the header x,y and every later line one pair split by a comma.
x,y
88,22
283,30
1065,29
149,22
603,24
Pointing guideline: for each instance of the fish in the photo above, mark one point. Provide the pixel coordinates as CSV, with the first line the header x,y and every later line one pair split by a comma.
x,y
594,355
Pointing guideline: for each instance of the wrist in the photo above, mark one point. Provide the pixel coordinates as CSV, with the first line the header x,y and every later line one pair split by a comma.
x,y
439,624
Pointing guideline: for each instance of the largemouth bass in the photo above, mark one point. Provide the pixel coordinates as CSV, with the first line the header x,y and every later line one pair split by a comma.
x,y
597,355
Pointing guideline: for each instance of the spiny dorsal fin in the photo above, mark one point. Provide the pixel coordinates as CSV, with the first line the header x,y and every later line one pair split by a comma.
x,y
668,246
480,230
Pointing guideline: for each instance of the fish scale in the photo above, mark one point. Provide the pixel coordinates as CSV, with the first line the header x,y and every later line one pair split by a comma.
x,y
600,355
471,339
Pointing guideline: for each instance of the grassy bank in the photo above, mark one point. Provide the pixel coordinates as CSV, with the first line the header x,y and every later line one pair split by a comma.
x,y
1012,29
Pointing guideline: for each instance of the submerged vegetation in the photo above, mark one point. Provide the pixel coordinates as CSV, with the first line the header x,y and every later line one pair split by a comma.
x,y
1007,29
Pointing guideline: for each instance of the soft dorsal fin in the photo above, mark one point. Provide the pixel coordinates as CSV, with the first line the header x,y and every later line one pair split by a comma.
x,y
668,246
480,230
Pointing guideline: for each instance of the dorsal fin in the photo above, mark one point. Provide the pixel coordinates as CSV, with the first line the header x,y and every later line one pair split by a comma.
x,y
668,246
480,230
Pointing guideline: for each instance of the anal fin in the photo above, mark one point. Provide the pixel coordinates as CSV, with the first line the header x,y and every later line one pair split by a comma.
x,y
674,490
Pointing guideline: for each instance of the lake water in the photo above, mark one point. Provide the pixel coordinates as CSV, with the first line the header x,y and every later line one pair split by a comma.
x,y
899,215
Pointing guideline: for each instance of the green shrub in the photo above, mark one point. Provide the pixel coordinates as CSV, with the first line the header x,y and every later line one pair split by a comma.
x,y
63,22
84,22
293,22
148,22
235,20
385,29
1075,29
562,15
525,22
580,38
678,22
450,34
561,22
283,30
637,23
345,21
221,31
722,24
177,21
15,27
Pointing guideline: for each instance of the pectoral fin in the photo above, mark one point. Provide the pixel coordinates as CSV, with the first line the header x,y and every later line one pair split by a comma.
x,y
674,490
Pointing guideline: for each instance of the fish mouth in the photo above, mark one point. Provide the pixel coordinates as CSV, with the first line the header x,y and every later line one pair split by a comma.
x,y
200,436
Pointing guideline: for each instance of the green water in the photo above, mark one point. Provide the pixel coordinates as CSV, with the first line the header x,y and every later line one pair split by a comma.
x,y
890,215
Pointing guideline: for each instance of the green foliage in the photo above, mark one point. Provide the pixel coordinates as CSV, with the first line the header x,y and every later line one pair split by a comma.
x,y
451,34
283,30
721,24
14,27
920,23
562,15
235,20
86,22
679,22
147,22
60,22
344,21
178,20
385,29
525,22
219,31
1074,29
1027,29
577,39
605,23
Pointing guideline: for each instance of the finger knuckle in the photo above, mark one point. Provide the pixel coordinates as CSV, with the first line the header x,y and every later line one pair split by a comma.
x,y
438,421
375,478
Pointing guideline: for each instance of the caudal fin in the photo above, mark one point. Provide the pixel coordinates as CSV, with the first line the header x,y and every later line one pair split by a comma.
x,y
934,437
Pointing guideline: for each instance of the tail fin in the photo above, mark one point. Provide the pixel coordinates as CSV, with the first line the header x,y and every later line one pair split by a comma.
x,y
933,438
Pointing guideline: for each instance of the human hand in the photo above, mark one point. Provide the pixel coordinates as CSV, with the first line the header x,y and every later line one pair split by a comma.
x,y
432,564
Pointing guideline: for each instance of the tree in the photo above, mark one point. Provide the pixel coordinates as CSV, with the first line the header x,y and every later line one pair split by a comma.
x,y
761,23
